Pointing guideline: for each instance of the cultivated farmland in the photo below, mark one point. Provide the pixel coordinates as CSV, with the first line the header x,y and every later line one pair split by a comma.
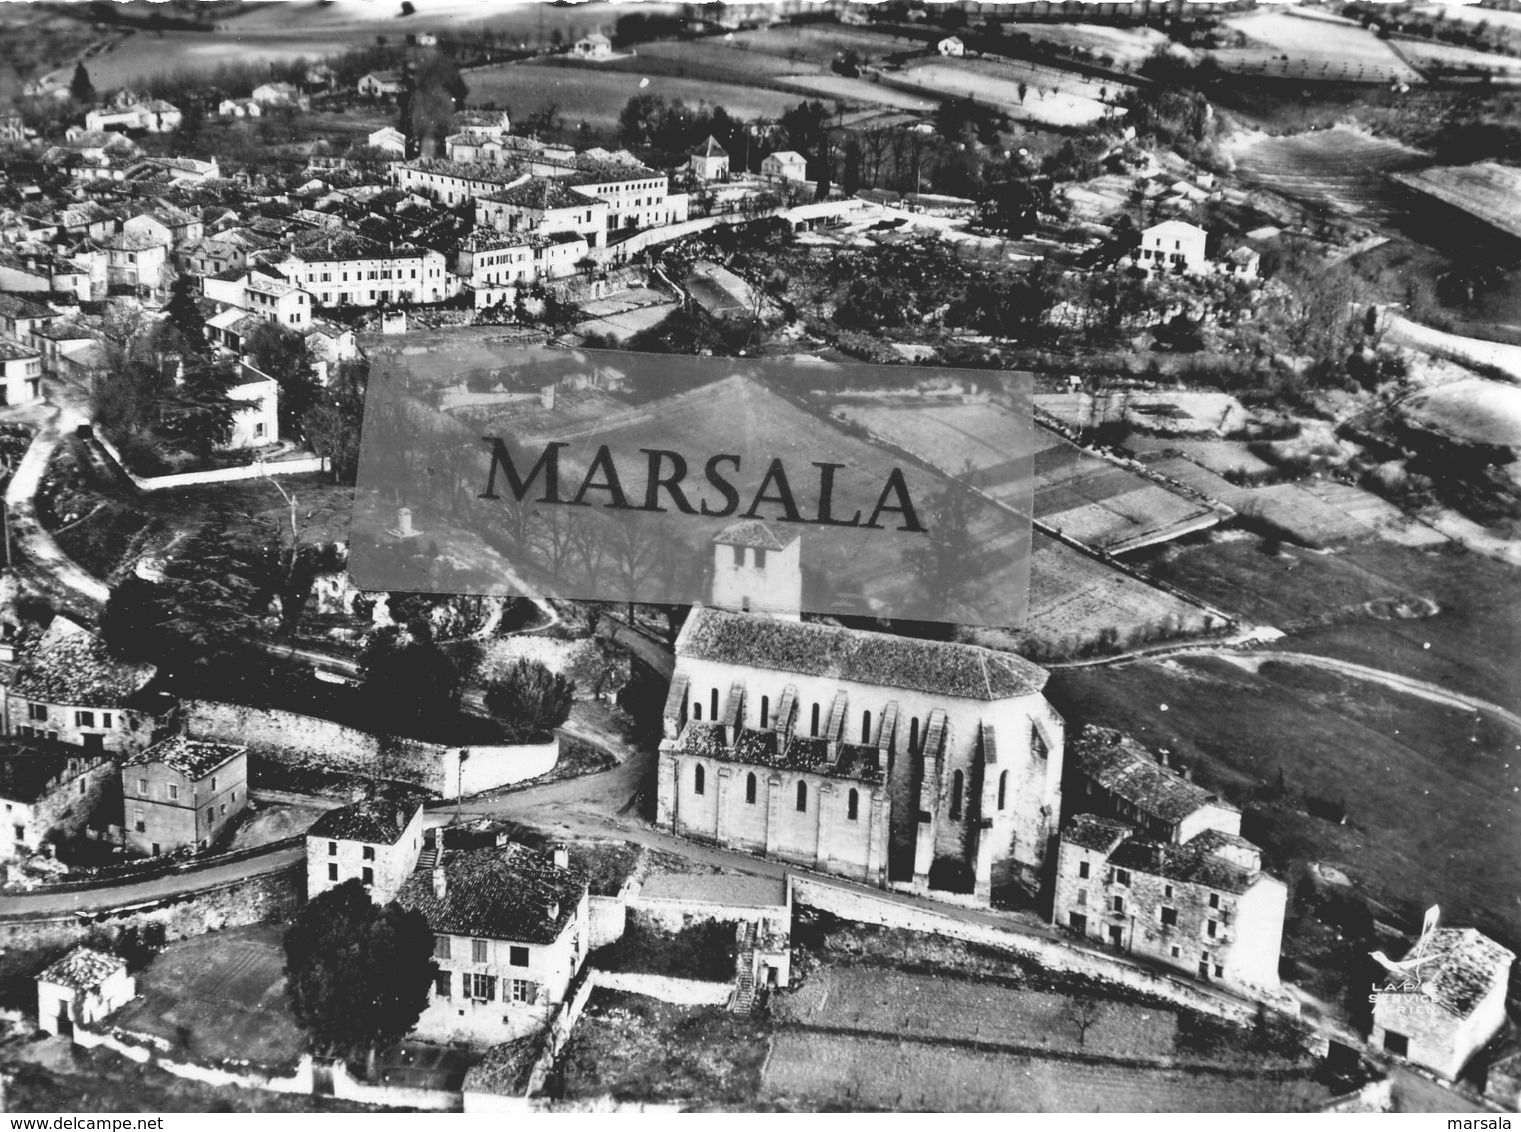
x,y
1340,169
1292,46
590,93
1447,59
1052,97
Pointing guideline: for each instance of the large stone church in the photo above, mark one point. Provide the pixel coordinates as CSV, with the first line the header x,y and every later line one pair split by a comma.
x,y
912,763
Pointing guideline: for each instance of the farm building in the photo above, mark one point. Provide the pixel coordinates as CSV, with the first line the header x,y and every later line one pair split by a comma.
x,y
381,84
594,46
48,797
389,139
952,46
376,841
1241,263
1450,1005
81,989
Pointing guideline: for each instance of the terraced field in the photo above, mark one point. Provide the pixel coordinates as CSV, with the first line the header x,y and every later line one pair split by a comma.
x,y
1339,170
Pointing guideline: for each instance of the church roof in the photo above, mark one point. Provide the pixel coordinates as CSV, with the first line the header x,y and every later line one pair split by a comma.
x,y
938,668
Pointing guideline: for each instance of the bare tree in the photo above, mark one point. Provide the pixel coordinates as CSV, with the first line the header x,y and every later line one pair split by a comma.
x,y
1084,1013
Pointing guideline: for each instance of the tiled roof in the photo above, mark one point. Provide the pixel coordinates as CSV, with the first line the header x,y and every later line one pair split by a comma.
x,y
490,240
1466,966
710,148
27,776
378,821
938,668
18,306
71,667
541,193
328,245
749,532
467,170
13,351
1122,767
1197,861
135,241
193,758
504,893
1089,831
83,969
64,330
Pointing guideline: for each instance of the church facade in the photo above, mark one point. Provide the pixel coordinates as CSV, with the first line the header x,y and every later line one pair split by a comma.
x,y
918,764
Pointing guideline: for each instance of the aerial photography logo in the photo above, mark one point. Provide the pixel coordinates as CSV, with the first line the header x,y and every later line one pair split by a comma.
x,y
787,486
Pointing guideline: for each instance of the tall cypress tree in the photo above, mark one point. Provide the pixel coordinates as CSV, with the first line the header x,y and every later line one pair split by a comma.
x,y
80,87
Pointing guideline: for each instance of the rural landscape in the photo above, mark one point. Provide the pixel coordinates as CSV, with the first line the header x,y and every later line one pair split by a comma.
x,y
774,555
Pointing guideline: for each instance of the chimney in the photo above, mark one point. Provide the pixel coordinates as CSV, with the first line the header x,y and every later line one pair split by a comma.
x,y
562,857
552,910
404,522
440,881
1187,772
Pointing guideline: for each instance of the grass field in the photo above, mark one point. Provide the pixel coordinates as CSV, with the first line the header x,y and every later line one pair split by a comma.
x,y
1472,409
1433,794
590,93
1052,97
219,996
1449,59
1340,169
1292,46
1131,46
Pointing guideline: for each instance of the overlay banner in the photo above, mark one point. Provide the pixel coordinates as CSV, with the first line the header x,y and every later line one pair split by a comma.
x,y
773,485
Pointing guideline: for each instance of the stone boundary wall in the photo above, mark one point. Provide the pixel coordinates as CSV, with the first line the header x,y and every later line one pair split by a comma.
x,y
682,992
1057,955
673,915
308,742
257,470
248,900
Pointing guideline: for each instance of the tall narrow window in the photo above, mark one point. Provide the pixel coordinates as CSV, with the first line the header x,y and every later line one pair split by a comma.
x,y
750,788
802,797
713,702
697,710
866,727
956,783
765,718
913,735
697,779
1003,789
814,725
853,805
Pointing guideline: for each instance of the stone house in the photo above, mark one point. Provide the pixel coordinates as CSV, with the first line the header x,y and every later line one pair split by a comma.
x,y
71,690
257,423
544,205
511,930
593,46
1449,1007
80,989
1173,246
169,225
381,84
1204,907
890,760
389,139
377,841
182,794
48,797
20,317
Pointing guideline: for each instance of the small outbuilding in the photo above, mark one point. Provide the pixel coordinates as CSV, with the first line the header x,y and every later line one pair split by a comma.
x,y
81,989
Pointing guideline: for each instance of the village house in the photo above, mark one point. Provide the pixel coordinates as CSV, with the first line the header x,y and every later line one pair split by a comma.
x,y
1241,263
174,226
376,842
381,84
59,340
87,219
389,140
33,272
80,989
511,928
594,46
786,165
70,689
48,797
182,793
454,182
175,170
1173,246
923,764
483,123
544,205
343,269
257,424
280,94
12,127
1449,1006
1204,907
211,255
139,262
709,161
20,317
951,46
636,197
20,373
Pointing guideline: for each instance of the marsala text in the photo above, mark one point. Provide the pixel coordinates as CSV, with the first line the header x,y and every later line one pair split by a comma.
x,y
667,470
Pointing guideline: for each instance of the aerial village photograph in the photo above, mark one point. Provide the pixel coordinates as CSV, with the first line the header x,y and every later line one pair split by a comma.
x,y
764,556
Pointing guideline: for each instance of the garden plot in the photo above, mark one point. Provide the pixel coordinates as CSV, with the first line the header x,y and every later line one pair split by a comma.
x,y
1341,169
1183,413
1325,50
